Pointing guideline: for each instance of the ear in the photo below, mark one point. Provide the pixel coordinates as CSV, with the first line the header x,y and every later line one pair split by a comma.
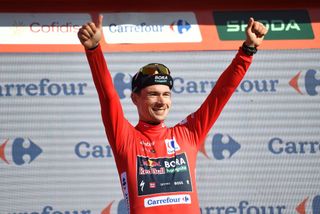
x,y
134,98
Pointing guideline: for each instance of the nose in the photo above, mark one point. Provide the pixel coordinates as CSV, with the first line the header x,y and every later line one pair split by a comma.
x,y
160,100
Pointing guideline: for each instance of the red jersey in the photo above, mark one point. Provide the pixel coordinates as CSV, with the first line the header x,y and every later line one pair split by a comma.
x,y
157,164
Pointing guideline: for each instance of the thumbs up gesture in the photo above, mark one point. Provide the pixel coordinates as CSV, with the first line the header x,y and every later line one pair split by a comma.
x,y
90,34
255,33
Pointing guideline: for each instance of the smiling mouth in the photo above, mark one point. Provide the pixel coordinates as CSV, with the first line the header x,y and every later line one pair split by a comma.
x,y
158,109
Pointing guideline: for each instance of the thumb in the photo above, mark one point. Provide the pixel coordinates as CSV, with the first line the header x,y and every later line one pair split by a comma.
x,y
250,23
97,19
100,21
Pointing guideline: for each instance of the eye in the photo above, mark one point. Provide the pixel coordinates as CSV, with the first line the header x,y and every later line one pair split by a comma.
x,y
152,94
167,94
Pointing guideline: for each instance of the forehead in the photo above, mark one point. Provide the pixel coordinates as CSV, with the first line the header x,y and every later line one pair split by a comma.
x,y
156,88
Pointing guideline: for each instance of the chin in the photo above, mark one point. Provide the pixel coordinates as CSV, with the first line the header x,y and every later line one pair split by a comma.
x,y
158,119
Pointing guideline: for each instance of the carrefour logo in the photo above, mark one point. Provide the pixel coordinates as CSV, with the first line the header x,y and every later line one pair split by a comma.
x,y
167,200
222,147
306,82
279,146
245,207
86,150
48,209
122,84
44,87
180,26
311,203
143,28
21,149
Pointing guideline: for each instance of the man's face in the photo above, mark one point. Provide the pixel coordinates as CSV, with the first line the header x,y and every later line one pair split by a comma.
x,y
153,103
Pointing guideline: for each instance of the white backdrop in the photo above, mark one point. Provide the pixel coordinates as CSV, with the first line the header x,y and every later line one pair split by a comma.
x,y
55,158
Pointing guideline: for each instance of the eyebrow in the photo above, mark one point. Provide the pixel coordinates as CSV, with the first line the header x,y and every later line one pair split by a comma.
x,y
157,92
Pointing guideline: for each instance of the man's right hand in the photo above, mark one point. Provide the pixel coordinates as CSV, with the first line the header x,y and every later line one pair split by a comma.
x,y
90,34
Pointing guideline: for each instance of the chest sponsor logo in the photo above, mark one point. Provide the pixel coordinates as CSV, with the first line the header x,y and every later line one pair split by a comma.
x,y
167,200
172,146
147,146
161,175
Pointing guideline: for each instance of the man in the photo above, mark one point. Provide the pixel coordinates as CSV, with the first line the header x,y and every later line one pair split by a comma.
x,y
156,164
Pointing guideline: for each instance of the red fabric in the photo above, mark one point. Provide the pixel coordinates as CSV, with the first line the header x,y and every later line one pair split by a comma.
x,y
156,164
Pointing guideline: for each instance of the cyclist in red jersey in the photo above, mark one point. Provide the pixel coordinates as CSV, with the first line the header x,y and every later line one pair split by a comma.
x,y
156,164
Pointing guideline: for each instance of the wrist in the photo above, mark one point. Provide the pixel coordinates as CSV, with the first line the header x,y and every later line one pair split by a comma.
x,y
93,47
249,49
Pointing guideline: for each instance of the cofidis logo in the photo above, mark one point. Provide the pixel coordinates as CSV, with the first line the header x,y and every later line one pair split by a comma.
x,y
41,28
222,147
20,148
181,85
306,83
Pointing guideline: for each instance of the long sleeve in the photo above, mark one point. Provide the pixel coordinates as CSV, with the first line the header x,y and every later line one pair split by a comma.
x,y
100,74
201,121
111,110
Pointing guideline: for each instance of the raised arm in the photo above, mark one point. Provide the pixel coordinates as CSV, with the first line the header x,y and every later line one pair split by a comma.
x,y
204,118
90,35
112,114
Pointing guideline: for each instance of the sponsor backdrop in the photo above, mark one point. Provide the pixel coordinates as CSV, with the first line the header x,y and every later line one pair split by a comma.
x,y
261,156
159,31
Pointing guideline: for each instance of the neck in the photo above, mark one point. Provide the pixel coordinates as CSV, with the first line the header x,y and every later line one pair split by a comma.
x,y
154,123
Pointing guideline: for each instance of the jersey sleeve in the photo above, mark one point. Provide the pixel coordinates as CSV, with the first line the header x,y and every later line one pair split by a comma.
x,y
113,119
201,121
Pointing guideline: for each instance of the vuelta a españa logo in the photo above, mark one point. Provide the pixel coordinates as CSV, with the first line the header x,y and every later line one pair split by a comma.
x,y
222,146
314,206
20,148
306,82
180,26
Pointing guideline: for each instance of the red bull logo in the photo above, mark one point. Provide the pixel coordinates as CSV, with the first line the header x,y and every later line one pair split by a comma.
x,y
151,163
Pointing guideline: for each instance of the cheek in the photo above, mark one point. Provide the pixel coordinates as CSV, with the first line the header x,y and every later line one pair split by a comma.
x,y
146,105
169,102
